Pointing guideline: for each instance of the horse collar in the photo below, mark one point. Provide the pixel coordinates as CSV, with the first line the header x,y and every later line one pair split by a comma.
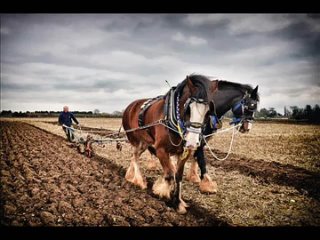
x,y
180,122
238,108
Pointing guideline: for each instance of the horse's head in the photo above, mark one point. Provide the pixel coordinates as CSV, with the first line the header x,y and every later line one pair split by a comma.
x,y
196,108
245,109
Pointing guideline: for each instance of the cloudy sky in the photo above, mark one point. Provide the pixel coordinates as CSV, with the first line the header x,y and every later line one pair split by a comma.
x,y
105,61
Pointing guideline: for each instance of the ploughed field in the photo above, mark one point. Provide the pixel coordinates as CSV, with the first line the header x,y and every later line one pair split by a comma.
x,y
272,178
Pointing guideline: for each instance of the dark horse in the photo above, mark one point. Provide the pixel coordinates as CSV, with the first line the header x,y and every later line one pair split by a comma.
x,y
197,91
242,99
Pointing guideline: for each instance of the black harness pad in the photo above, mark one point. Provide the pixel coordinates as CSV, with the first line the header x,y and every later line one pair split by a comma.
x,y
170,108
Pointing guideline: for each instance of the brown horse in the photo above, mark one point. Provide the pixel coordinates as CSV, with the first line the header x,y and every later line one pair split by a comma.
x,y
193,97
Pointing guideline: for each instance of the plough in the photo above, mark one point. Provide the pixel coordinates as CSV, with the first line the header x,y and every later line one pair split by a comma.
x,y
85,140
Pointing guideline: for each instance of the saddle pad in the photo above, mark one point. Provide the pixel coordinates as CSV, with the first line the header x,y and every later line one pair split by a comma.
x,y
144,107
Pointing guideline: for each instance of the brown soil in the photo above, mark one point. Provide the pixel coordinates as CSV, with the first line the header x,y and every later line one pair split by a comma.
x,y
44,181
273,180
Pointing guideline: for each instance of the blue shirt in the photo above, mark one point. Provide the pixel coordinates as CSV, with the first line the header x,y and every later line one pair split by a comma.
x,y
66,118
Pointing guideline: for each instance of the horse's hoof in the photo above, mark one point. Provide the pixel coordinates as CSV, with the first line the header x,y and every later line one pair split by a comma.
x,y
207,185
193,178
152,165
142,184
129,174
138,182
184,203
161,188
134,176
181,209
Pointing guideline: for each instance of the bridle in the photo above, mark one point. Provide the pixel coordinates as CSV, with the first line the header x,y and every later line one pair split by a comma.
x,y
188,126
244,110
187,108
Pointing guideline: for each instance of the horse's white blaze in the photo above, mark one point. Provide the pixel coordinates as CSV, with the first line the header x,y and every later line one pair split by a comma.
x,y
197,114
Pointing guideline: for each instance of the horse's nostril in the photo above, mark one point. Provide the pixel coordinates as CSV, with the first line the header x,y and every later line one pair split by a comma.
x,y
191,147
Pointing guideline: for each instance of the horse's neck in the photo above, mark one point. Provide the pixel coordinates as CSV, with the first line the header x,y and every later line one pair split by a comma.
x,y
226,99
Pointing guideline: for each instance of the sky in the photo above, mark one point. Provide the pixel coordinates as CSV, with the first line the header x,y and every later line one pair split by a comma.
x,y
106,61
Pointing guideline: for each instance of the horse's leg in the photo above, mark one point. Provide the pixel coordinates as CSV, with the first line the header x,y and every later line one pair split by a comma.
x,y
206,185
193,175
177,199
152,163
164,185
174,161
133,173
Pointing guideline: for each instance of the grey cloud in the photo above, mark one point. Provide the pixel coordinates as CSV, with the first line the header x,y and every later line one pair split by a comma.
x,y
107,60
12,87
304,33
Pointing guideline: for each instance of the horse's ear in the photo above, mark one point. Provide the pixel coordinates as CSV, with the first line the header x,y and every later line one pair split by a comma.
x,y
190,84
214,86
254,93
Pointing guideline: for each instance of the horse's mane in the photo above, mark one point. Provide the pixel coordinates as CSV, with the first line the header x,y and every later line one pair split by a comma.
x,y
223,84
200,81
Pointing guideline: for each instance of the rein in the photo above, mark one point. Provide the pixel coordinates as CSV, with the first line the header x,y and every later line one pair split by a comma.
x,y
159,122
163,123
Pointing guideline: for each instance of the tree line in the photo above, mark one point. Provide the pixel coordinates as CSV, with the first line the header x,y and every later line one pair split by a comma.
x,y
307,114
294,113
38,114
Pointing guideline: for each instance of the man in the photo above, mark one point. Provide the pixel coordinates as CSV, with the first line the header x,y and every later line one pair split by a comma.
x,y
66,118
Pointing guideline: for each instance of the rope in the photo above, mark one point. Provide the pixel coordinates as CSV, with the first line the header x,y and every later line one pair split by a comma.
x,y
221,131
231,143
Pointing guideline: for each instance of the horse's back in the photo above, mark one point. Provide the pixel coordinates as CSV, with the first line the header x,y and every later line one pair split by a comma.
x,y
131,113
131,116
130,120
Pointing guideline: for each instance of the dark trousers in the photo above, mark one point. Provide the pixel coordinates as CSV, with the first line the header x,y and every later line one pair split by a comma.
x,y
69,133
